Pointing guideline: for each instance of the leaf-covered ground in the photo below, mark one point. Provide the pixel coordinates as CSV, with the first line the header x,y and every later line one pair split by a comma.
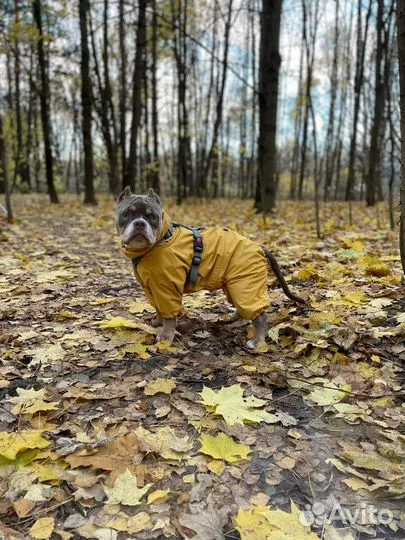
x,y
104,435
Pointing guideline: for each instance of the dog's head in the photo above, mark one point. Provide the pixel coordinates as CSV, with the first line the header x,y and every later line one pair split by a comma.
x,y
139,218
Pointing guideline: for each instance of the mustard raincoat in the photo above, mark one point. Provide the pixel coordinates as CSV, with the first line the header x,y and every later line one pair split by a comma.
x,y
229,261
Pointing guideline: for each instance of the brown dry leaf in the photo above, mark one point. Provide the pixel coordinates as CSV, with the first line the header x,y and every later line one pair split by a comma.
x,y
208,524
23,507
118,454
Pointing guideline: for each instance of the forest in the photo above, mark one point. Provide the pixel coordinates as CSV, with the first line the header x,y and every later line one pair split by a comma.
x,y
276,125
186,98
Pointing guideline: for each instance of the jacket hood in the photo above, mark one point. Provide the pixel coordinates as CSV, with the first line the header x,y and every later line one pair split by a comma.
x,y
133,253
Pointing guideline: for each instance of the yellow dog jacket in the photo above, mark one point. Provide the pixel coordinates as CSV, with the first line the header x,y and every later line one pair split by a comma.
x,y
229,261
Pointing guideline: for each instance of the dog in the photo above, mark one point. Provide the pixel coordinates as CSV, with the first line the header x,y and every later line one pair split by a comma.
x,y
170,259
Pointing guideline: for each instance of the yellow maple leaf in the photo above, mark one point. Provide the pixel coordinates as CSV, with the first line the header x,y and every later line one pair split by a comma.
x,y
42,528
30,401
355,298
323,319
136,306
125,490
27,397
216,466
223,447
378,270
47,471
330,395
262,523
158,496
354,244
164,386
13,443
168,347
307,273
40,405
230,403
137,348
115,323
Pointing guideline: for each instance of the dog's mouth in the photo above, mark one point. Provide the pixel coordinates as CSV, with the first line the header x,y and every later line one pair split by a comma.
x,y
139,238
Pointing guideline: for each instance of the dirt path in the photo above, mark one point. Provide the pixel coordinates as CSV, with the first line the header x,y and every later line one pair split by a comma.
x,y
331,382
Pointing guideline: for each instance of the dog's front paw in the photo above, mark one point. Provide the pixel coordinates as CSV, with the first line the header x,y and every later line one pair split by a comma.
x,y
165,335
156,321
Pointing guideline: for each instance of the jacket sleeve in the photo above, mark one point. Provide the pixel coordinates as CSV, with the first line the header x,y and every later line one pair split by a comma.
x,y
163,292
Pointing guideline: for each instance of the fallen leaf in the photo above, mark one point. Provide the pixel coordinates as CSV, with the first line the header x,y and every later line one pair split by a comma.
x,y
42,528
116,323
125,490
23,507
164,386
113,455
138,523
230,403
262,523
217,467
330,395
207,524
13,443
158,496
223,447
164,442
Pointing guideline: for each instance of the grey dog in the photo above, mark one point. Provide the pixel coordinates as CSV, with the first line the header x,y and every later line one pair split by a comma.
x,y
170,259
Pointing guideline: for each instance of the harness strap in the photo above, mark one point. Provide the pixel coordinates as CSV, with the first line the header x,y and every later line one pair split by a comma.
x,y
197,256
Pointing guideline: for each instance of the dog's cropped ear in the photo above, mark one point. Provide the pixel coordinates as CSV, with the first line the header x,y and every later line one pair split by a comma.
x,y
154,196
124,194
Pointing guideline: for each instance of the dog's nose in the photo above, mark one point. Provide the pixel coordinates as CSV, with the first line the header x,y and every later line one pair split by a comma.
x,y
139,223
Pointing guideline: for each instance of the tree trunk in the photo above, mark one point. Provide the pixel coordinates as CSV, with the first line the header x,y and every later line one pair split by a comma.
x,y
123,89
308,84
401,57
105,107
4,172
358,85
21,165
89,196
269,67
179,13
374,166
109,105
213,153
44,94
297,125
130,169
155,126
330,162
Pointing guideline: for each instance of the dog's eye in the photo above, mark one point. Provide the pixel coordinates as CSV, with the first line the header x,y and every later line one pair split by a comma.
x,y
125,214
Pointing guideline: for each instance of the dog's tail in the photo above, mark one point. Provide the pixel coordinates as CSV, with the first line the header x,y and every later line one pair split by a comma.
x,y
276,269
